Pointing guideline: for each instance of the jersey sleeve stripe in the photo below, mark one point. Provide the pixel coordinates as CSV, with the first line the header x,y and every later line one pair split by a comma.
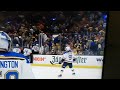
x,y
14,58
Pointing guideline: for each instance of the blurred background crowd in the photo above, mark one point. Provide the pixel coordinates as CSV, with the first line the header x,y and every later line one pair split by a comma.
x,y
84,31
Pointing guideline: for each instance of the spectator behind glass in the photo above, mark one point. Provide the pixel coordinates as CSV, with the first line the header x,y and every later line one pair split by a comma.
x,y
80,24
46,49
93,48
15,41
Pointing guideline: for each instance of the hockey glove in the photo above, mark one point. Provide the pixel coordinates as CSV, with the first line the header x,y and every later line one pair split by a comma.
x,y
61,61
74,59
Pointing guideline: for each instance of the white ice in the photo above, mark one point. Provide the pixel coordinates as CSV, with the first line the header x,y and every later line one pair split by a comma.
x,y
53,72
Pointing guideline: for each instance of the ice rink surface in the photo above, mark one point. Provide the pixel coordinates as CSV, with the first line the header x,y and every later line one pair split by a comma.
x,y
53,72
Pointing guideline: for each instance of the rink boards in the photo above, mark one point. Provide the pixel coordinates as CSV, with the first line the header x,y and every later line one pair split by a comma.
x,y
74,66
81,62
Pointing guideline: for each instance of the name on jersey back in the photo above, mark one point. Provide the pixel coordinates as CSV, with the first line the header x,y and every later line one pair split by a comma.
x,y
8,64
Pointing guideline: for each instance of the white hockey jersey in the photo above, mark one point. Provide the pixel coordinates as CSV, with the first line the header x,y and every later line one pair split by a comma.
x,y
15,68
27,51
17,50
35,48
68,56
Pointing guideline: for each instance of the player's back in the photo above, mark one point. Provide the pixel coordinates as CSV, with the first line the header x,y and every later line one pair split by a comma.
x,y
15,68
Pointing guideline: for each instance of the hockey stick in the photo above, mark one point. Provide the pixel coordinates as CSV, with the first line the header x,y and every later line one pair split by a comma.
x,y
53,63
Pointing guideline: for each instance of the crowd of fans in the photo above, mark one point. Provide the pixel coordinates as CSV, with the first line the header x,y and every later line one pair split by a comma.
x,y
84,31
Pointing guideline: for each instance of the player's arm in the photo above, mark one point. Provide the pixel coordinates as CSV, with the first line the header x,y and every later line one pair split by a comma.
x,y
27,71
63,59
60,62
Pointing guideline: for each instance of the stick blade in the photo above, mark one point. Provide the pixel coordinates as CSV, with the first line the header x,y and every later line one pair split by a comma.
x,y
51,62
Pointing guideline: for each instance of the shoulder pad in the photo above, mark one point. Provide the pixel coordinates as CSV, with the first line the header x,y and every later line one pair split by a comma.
x,y
14,58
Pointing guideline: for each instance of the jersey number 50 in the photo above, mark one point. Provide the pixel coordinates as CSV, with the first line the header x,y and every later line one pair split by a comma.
x,y
11,73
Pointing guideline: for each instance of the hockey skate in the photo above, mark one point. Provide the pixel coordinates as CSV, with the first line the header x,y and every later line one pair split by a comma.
x,y
60,75
73,73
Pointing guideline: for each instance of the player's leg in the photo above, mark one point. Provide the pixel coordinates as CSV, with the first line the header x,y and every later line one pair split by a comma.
x,y
62,70
71,67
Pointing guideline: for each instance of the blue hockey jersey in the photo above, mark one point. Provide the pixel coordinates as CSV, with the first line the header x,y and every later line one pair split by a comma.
x,y
13,54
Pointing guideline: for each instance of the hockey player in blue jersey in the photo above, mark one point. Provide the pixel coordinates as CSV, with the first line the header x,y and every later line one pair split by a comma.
x,y
5,45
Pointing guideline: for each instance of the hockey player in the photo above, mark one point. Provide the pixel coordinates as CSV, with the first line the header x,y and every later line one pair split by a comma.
x,y
12,65
27,53
35,49
67,60
17,49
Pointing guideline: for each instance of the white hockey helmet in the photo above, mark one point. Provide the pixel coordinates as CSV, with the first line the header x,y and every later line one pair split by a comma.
x,y
37,44
5,41
67,48
17,45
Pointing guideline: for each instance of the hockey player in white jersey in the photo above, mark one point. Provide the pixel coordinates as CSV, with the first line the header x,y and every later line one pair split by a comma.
x,y
36,49
67,60
17,49
12,65
27,53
